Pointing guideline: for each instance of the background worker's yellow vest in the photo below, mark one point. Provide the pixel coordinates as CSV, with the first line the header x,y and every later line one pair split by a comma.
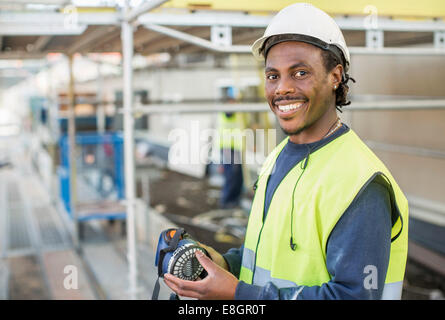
x,y
230,133
334,176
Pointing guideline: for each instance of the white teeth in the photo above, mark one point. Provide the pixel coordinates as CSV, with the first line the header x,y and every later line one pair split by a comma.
x,y
290,107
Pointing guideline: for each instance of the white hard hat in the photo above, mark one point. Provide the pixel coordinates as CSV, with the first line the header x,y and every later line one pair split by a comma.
x,y
306,23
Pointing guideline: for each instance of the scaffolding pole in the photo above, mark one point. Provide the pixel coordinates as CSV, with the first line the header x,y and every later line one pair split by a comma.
x,y
130,195
127,50
72,153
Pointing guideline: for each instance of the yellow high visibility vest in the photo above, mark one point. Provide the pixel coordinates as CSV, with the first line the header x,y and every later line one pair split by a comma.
x,y
334,176
230,132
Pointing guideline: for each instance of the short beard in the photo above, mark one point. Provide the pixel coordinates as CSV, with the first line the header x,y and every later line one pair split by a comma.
x,y
296,132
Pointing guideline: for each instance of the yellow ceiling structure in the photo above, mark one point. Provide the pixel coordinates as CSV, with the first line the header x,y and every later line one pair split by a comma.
x,y
394,8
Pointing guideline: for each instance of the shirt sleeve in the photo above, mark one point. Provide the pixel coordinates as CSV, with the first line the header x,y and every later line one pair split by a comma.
x,y
357,256
233,258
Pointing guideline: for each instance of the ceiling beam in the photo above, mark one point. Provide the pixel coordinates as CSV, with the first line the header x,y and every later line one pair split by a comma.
x,y
206,19
197,40
246,35
89,38
40,43
103,44
159,42
163,45
141,35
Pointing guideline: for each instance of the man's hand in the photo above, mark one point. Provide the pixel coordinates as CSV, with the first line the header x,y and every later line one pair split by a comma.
x,y
218,285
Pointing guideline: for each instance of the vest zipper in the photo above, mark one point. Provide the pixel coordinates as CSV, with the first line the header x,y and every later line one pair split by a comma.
x,y
261,230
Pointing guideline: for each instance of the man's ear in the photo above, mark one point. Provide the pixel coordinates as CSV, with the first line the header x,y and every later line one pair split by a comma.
x,y
337,74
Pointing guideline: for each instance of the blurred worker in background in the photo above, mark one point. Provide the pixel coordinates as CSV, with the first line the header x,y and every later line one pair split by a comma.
x,y
230,143
328,220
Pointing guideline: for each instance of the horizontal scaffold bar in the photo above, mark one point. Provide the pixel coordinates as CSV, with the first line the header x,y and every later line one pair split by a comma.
x,y
413,104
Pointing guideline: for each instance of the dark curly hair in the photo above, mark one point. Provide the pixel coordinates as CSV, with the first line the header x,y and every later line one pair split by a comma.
x,y
330,62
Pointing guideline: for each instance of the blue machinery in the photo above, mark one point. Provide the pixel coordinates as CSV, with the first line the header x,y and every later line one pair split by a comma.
x,y
99,176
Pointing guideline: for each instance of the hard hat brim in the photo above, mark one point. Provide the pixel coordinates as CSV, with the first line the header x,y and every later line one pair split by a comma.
x,y
256,48
260,52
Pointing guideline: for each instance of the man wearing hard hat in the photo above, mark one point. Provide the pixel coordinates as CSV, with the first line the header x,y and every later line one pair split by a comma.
x,y
231,147
328,220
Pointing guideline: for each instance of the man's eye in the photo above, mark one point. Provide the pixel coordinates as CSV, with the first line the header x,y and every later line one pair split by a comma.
x,y
271,77
300,73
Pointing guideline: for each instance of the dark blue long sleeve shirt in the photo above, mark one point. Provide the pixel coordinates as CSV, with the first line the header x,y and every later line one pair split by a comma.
x,y
359,242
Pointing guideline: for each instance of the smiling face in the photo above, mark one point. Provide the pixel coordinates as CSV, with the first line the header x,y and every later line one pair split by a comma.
x,y
300,91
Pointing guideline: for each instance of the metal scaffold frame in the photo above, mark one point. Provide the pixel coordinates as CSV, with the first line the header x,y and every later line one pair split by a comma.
x,y
55,23
130,195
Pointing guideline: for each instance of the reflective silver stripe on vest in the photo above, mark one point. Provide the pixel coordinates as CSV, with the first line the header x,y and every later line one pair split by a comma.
x,y
392,291
248,261
262,277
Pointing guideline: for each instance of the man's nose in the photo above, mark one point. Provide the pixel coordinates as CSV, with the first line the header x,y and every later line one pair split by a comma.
x,y
284,87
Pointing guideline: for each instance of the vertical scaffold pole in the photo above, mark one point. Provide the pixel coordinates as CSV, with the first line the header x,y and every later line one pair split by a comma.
x,y
127,51
72,153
